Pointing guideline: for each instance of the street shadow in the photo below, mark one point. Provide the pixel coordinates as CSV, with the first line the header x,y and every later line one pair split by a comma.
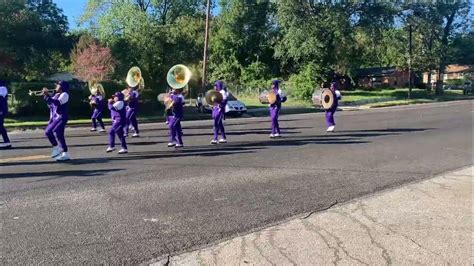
x,y
59,174
390,130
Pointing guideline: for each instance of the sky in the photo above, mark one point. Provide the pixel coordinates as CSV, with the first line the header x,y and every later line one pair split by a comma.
x,y
73,9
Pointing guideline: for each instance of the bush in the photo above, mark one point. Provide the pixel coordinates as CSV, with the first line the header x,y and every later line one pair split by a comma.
x,y
302,85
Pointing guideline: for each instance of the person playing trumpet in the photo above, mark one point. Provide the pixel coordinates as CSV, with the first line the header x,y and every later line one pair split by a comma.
x,y
58,105
117,112
218,113
97,102
3,112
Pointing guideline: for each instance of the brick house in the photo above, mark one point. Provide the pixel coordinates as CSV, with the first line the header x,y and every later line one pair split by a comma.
x,y
379,77
451,72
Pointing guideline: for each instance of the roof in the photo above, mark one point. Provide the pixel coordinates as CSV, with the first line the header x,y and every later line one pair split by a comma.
x,y
66,76
458,68
375,71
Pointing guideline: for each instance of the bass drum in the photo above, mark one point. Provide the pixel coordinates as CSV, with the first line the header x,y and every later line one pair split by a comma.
x,y
324,99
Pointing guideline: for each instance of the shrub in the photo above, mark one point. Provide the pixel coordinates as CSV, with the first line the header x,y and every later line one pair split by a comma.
x,y
302,85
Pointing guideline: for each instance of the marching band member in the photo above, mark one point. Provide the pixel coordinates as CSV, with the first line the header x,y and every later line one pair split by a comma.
x,y
131,111
174,124
58,104
98,104
118,114
218,113
330,112
3,113
275,109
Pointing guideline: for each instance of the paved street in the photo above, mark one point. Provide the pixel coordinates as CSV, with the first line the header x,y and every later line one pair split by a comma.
x,y
106,208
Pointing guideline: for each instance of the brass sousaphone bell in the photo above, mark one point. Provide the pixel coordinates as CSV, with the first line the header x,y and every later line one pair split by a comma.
x,y
178,76
213,97
135,78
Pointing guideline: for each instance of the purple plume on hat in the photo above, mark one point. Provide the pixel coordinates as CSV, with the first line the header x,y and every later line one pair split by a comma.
x,y
119,95
64,85
276,83
219,85
2,83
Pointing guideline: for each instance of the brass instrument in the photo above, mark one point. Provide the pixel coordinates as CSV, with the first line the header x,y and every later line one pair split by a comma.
x,y
165,98
134,78
213,97
96,87
39,93
178,76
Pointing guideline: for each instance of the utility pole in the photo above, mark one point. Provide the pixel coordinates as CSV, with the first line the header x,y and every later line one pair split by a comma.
x,y
409,59
206,45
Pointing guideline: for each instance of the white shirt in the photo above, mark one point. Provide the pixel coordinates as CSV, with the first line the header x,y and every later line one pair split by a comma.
x,y
3,91
225,94
63,98
118,105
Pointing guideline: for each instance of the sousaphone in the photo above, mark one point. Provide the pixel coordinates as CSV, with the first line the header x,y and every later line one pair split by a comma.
x,y
134,78
165,98
178,76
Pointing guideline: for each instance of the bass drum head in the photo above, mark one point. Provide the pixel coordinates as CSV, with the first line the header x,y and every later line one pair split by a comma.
x,y
327,99
213,97
272,97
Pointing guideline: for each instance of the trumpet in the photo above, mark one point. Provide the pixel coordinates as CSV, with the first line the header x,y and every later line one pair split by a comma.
x,y
39,93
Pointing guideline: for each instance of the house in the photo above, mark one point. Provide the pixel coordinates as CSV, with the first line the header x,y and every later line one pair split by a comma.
x,y
376,77
453,71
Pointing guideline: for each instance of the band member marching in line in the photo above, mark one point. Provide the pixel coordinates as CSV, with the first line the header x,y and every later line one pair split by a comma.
x,y
131,111
331,111
275,109
174,124
3,113
118,114
58,105
97,101
218,113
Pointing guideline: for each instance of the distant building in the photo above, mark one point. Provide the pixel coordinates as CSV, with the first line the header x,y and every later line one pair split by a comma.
x,y
451,72
379,77
66,76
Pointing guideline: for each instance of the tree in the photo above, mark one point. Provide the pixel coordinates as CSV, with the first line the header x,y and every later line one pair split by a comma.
x,y
33,35
92,62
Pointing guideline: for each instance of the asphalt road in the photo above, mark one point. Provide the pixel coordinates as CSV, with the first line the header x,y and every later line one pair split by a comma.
x,y
109,208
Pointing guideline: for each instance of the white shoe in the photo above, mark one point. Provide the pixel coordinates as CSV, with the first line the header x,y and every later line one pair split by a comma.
x,y
110,149
179,146
171,144
63,157
55,152
167,122
213,141
272,136
6,145
330,129
277,135
93,129
102,130
135,135
122,151
222,141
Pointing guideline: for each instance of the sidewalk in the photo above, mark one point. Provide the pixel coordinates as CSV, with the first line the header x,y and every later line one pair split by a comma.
x,y
423,223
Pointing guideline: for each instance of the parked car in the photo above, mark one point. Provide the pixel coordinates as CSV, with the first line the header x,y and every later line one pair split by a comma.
x,y
233,107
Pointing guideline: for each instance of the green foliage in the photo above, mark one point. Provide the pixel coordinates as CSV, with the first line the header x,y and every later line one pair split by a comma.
x,y
255,76
303,84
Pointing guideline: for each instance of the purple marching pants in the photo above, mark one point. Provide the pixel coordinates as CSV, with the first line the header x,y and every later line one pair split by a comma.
x,y
330,116
131,117
97,116
117,129
175,130
218,116
57,126
274,117
3,131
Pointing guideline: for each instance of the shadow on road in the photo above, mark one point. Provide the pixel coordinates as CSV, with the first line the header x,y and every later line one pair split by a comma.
x,y
59,174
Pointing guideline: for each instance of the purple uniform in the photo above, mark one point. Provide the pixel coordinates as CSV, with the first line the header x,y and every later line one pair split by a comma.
x,y
330,112
175,119
97,114
131,112
58,105
118,115
275,108
3,111
218,112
